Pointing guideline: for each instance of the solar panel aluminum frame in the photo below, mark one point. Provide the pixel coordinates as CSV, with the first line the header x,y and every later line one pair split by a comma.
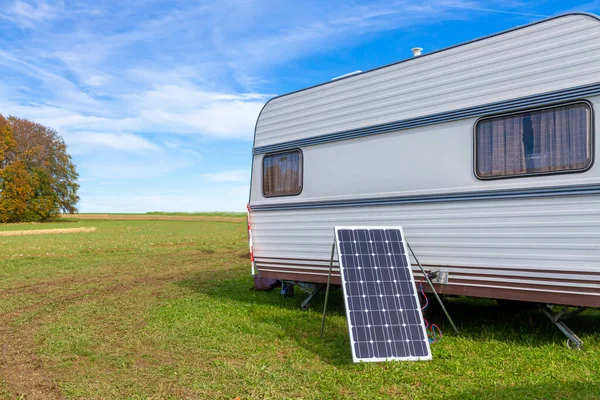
x,y
415,293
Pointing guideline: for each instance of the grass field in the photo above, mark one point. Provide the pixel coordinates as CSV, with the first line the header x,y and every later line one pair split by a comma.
x,y
164,309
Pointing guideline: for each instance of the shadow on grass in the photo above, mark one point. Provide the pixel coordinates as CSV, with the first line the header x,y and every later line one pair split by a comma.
x,y
301,326
477,319
484,319
563,390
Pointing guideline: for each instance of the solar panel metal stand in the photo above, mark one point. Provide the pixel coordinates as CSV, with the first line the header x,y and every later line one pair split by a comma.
x,y
327,288
433,288
558,318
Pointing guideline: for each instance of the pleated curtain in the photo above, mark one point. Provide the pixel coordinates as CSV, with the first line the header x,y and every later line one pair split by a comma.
x,y
560,136
560,142
500,149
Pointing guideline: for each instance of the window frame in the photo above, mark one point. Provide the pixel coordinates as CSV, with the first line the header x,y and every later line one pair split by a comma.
x,y
591,138
276,153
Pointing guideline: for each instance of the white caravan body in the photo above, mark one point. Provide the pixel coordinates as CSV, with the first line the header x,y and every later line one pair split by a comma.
x,y
396,146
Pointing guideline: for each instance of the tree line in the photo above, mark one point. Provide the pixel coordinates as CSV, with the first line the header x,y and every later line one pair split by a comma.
x,y
38,179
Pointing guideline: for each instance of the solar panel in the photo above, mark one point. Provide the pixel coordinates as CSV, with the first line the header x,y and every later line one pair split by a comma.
x,y
384,316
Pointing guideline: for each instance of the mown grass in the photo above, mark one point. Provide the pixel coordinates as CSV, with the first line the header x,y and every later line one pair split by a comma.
x,y
164,309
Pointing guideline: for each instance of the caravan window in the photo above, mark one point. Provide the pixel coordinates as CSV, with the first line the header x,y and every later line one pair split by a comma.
x,y
282,174
543,141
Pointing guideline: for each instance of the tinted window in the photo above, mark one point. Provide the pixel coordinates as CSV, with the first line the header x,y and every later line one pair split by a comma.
x,y
543,141
282,174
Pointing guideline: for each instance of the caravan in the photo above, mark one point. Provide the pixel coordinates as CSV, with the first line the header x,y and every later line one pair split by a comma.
x,y
483,152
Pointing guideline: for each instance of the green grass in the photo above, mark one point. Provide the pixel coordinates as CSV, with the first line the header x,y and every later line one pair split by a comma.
x,y
164,309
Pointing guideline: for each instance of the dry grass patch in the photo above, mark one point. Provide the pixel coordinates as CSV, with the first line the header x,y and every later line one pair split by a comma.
x,y
48,231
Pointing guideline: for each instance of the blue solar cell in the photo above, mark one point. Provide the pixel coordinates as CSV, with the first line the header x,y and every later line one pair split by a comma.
x,y
384,317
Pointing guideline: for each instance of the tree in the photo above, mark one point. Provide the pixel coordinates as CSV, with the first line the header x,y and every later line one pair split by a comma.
x,y
38,179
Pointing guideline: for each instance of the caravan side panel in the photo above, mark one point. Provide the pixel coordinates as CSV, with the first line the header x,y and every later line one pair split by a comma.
x,y
537,249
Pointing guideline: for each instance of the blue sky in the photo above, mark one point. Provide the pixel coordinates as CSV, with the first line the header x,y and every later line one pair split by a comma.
x,y
157,101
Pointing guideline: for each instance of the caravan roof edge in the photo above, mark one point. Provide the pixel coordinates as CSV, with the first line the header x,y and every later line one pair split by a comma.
x,y
586,14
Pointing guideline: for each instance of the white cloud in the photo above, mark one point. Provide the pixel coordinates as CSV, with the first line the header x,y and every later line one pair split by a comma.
x,y
475,7
321,26
86,141
592,6
188,109
30,14
241,175
176,95
96,80
167,109
136,88
123,166
214,200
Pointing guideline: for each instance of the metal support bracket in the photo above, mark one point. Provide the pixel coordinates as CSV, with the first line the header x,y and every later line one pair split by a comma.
x,y
558,318
437,296
327,290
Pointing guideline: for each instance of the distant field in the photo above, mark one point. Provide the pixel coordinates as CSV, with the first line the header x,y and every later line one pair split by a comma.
x,y
200,214
161,216
163,309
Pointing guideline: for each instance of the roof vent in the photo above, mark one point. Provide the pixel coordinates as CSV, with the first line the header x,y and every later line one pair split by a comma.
x,y
346,75
416,51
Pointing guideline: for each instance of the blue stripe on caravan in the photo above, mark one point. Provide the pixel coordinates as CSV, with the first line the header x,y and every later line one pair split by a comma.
x,y
464,196
575,93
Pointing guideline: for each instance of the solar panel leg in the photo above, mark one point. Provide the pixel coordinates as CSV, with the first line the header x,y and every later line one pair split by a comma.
x,y
327,290
433,289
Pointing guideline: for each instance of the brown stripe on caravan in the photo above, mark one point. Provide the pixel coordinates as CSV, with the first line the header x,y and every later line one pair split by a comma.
x,y
300,276
306,263
462,285
568,299
303,268
458,275
310,261
432,266
487,291
266,259
303,264
484,290
526,285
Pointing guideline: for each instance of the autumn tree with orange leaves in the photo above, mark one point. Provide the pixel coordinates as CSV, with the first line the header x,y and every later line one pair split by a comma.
x,y
38,179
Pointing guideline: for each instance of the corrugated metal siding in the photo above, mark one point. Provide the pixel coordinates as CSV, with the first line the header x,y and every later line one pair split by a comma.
x,y
547,241
428,160
556,54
